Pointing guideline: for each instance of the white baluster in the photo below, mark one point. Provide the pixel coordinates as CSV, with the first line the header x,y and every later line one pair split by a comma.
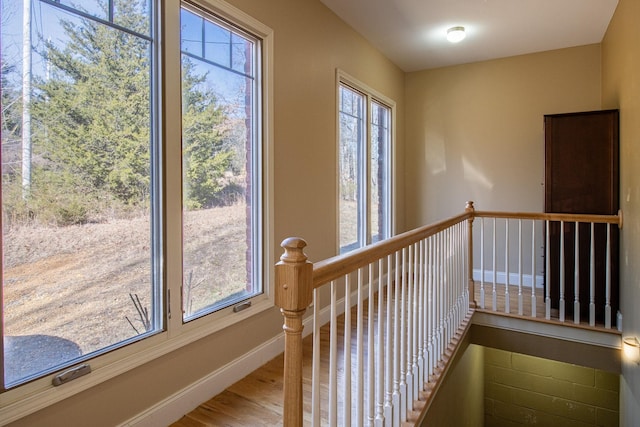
x,y
431,310
533,269
576,276
495,273
388,401
315,374
421,315
396,342
461,282
445,291
403,339
562,282
360,351
468,272
437,297
333,358
507,301
380,366
520,301
607,307
422,321
371,389
457,266
592,278
547,299
409,349
482,306
347,352
441,296
453,283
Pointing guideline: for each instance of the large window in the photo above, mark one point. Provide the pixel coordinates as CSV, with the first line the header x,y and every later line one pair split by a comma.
x,y
221,185
90,167
79,182
364,164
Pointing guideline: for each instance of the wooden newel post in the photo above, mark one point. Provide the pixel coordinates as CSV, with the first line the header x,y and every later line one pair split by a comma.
x,y
293,294
472,293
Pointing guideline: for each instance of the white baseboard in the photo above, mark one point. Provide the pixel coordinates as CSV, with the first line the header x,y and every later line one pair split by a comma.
x,y
174,407
184,401
513,278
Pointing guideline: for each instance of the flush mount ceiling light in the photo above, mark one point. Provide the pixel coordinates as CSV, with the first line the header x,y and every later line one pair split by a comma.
x,y
455,34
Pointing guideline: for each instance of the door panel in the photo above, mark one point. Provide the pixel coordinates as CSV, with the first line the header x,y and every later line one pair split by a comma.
x,y
581,176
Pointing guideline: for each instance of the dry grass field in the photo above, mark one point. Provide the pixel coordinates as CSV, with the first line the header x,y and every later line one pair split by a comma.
x,y
74,282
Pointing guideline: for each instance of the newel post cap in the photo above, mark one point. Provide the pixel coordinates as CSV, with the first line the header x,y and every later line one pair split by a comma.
x,y
294,277
469,206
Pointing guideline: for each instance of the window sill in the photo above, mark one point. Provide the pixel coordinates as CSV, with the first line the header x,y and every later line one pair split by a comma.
x,y
39,394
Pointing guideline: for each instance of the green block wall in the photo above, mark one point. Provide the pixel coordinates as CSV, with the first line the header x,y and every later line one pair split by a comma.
x,y
526,390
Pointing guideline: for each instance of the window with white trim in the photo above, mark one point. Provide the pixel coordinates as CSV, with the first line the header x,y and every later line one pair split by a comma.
x,y
88,128
364,163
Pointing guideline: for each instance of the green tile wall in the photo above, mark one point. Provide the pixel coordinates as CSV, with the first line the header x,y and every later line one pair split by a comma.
x,y
526,390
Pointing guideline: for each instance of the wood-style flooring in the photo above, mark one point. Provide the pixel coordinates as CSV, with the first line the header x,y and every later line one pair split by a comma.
x,y
256,400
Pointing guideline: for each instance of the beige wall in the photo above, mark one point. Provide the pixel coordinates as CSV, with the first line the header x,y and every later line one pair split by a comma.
x,y
310,43
621,89
475,131
460,400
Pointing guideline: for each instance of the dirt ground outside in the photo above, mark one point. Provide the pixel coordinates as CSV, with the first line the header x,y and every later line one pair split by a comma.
x,y
75,282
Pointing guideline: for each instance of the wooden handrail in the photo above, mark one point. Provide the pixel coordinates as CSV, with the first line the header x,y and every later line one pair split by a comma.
x,y
605,219
337,266
296,278
333,268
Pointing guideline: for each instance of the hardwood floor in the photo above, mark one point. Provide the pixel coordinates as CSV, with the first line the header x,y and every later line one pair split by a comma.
x,y
256,400
513,299
526,303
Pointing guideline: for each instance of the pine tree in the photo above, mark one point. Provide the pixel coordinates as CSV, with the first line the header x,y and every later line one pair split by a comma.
x,y
11,125
94,111
205,155
93,118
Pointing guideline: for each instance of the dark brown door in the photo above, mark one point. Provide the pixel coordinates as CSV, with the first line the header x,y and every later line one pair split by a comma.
x,y
581,176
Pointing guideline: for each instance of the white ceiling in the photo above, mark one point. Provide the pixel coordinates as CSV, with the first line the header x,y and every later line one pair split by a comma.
x,y
412,32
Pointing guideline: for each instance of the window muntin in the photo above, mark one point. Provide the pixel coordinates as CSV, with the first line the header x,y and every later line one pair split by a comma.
x,y
221,165
352,141
166,228
79,183
365,168
380,168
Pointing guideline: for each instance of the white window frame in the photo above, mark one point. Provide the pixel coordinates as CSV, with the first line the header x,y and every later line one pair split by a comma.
x,y
38,394
370,95
260,268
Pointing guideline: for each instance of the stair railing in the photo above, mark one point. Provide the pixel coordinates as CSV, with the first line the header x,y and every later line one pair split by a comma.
x,y
390,310
566,261
397,303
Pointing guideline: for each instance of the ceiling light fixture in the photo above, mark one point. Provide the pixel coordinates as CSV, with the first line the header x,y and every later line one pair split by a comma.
x,y
455,34
631,349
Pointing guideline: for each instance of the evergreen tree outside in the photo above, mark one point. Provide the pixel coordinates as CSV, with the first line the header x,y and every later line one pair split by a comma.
x,y
83,242
11,124
205,152
92,129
